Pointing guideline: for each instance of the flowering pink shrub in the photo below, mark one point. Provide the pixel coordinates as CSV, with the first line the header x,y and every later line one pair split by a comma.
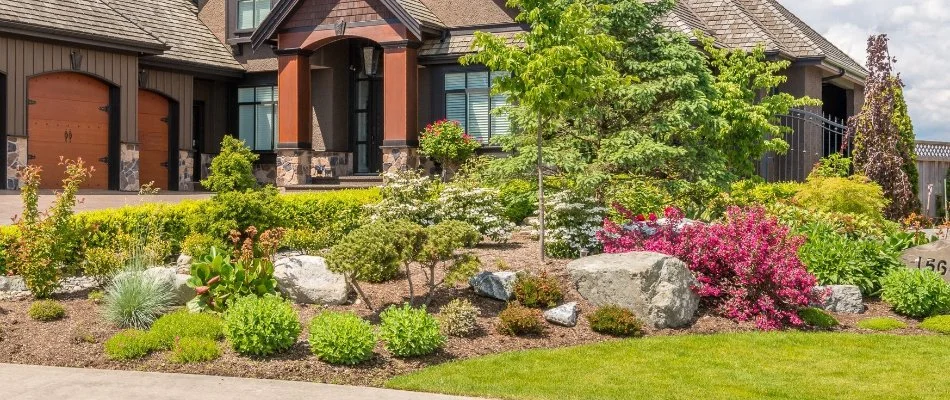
x,y
747,268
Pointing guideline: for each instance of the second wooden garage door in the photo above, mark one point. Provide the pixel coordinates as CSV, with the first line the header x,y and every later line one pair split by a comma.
x,y
153,125
68,117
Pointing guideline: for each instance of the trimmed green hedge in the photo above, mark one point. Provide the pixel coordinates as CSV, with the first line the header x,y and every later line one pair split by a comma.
x,y
333,213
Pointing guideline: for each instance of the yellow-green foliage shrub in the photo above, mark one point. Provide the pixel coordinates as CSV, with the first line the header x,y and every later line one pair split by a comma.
x,y
854,195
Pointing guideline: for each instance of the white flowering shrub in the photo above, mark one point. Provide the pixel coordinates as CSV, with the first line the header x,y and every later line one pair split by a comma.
x,y
407,195
572,223
480,207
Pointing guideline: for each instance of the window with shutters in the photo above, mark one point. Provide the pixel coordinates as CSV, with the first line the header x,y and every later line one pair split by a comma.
x,y
257,117
250,13
469,101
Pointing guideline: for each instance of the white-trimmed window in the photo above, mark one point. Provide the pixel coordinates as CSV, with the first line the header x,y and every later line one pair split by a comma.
x,y
257,117
250,13
468,100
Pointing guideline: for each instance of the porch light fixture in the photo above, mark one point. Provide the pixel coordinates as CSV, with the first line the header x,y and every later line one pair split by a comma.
x,y
371,60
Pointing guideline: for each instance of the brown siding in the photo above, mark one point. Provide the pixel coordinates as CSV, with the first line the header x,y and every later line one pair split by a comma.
x,y
214,94
22,59
322,12
179,88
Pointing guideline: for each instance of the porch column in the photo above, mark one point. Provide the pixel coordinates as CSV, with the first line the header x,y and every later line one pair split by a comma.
x,y
294,117
400,105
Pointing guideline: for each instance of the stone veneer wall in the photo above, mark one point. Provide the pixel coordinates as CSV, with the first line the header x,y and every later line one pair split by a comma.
x,y
293,167
186,171
328,164
399,158
16,159
129,168
266,174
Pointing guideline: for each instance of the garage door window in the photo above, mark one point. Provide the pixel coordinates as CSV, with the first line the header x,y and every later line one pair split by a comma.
x,y
257,117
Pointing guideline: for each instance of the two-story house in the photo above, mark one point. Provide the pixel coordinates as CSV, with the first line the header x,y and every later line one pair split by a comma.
x,y
322,89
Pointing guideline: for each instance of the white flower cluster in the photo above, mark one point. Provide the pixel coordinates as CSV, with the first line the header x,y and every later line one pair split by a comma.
x,y
479,207
406,195
572,223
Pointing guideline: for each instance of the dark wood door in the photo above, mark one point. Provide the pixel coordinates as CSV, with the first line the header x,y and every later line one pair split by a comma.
x,y
153,122
68,117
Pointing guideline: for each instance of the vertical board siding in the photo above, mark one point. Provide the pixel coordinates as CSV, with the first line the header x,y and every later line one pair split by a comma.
x,y
21,59
931,172
181,89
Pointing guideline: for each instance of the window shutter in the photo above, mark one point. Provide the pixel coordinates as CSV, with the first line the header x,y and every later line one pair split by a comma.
x,y
478,116
455,81
455,107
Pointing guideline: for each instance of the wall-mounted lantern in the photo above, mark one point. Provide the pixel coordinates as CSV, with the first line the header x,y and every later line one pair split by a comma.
x,y
371,56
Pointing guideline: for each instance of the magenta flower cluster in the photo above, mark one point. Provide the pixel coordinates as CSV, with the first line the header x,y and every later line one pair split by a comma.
x,y
747,267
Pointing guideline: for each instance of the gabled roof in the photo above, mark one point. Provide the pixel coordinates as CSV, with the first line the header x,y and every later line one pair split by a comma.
x,y
84,21
411,13
176,23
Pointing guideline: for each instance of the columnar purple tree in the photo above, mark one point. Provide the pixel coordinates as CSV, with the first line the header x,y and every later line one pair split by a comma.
x,y
877,136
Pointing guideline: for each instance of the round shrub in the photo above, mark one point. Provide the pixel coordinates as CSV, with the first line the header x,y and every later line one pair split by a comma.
x,y
101,264
184,324
341,338
519,199
615,321
135,299
939,324
46,310
369,253
541,291
517,320
130,344
261,326
881,324
817,318
193,350
916,293
410,332
458,318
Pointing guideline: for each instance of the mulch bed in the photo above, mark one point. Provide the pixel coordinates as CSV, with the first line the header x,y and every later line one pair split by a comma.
x,y
77,340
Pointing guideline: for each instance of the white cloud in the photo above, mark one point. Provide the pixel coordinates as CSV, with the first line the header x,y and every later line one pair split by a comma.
x,y
918,30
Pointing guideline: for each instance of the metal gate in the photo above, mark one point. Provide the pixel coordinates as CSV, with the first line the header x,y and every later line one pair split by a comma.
x,y
811,137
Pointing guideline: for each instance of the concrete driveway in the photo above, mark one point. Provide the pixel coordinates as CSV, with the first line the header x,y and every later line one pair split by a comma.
x,y
11,205
31,382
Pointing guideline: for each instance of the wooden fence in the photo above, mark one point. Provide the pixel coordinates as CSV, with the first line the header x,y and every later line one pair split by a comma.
x,y
933,161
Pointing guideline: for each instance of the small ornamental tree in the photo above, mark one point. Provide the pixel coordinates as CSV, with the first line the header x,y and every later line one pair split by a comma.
x,y
233,169
747,267
447,143
881,150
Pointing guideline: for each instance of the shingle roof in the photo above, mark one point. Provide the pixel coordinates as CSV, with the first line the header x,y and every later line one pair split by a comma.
x,y
85,19
459,44
176,23
465,13
421,13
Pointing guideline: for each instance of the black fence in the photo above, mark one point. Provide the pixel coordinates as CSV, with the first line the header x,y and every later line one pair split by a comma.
x,y
811,137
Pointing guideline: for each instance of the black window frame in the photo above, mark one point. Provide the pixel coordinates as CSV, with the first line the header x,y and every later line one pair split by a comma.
x,y
241,35
256,103
439,95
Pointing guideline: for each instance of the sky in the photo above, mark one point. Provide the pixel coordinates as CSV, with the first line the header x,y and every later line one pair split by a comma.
x,y
919,32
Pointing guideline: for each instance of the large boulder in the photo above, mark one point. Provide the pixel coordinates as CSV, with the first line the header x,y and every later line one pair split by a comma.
x,y
181,292
656,287
934,256
840,298
307,280
497,285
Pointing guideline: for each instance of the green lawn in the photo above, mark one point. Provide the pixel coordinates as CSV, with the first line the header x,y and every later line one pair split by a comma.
x,y
733,366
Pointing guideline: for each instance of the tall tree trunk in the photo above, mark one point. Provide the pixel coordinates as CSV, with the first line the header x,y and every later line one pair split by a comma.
x,y
541,227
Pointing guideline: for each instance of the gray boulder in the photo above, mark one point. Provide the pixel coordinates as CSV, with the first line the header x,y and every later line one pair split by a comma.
x,y
183,263
497,285
564,315
656,287
307,280
12,284
178,283
841,298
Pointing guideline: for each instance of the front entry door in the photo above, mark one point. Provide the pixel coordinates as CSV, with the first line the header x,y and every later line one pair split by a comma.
x,y
366,126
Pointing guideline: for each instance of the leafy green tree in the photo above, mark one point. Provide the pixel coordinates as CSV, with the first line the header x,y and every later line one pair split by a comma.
x,y
906,145
233,169
559,65
747,106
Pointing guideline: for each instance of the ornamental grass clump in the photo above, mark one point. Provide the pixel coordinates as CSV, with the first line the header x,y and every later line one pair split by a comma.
x,y
615,321
916,293
341,338
458,318
518,320
135,299
261,326
410,332
882,324
747,267
46,310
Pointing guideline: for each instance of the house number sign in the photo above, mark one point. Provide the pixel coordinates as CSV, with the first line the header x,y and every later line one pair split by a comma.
x,y
934,256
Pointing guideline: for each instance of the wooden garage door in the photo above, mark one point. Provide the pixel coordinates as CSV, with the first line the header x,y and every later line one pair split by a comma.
x,y
68,117
153,139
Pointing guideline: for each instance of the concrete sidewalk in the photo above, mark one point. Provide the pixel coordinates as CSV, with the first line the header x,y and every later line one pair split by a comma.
x,y
29,382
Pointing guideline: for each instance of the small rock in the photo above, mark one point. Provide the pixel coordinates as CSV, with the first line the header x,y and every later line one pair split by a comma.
x,y
184,263
497,285
564,315
841,298
12,284
307,280
656,287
